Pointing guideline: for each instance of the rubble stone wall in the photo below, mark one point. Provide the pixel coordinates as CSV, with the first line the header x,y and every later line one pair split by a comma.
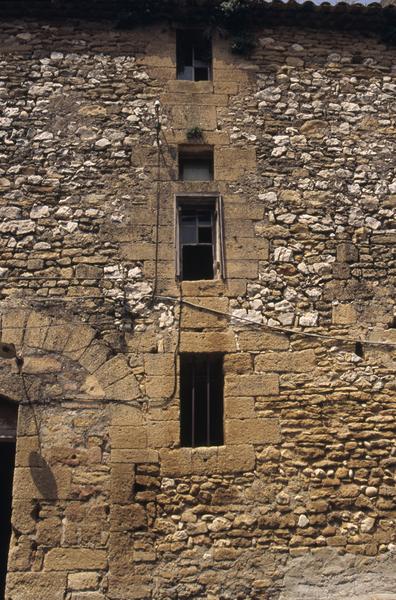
x,y
300,500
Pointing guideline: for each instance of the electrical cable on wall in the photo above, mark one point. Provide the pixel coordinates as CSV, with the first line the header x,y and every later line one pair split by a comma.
x,y
231,317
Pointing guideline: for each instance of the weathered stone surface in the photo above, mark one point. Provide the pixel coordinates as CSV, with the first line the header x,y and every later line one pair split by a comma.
x,y
299,502
78,559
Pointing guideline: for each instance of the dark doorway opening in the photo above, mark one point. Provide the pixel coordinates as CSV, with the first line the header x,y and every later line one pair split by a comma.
x,y
7,462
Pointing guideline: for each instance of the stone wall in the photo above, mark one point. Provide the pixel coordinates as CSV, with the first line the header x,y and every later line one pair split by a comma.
x,y
300,501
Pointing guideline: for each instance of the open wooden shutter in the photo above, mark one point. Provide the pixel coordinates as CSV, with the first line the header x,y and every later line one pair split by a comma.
x,y
220,237
177,239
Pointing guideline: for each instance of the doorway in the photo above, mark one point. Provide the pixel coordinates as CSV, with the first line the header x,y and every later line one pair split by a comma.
x,y
8,425
7,461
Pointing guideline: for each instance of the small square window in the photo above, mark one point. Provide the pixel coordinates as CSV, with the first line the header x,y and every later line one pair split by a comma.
x,y
193,55
195,163
201,400
199,239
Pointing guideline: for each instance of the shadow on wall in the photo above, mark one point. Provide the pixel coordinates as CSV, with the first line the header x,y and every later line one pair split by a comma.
x,y
42,476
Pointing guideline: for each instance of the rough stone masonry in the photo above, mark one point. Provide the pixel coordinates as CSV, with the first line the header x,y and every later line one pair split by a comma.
x,y
300,501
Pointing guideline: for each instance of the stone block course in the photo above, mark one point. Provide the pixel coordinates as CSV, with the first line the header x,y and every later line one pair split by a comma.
x,y
251,385
79,559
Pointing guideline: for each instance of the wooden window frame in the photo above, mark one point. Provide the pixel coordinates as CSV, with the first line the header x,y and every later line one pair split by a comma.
x,y
194,65
219,267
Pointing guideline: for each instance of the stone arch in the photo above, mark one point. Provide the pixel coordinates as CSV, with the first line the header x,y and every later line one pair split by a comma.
x,y
43,341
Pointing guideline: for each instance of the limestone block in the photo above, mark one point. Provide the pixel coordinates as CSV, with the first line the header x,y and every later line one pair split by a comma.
x,y
221,74
234,459
75,559
240,362
41,364
57,337
176,462
130,517
205,460
36,330
160,387
88,596
163,434
94,356
27,451
207,342
180,86
243,161
251,385
194,99
82,581
193,318
124,389
137,590
42,483
36,586
240,247
296,362
159,364
188,116
126,415
128,437
136,251
13,326
113,370
344,314
210,287
78,341
91,387
134,456
49,532
122,482
262,340
23,515
347,252
247,269
252,431
238,408
26,421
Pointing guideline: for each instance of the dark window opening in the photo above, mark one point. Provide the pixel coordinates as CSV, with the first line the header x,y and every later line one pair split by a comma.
x,y
7,461
359,349
201,400
193,56
197,241
392,324
195,163
199,238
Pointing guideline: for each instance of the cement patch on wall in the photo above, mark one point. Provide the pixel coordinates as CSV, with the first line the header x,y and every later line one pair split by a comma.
x,y
327,575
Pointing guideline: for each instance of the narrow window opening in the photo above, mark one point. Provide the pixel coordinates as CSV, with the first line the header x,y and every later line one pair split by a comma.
x,y
197,241
359,349
201,400
392,324
193,55
199,238
195,163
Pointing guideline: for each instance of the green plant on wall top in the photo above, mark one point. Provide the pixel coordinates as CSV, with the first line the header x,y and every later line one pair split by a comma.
x,y
195,134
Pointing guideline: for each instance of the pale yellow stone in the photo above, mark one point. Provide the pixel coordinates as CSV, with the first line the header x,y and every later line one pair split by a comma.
x,y
253,431
296,362
75,559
